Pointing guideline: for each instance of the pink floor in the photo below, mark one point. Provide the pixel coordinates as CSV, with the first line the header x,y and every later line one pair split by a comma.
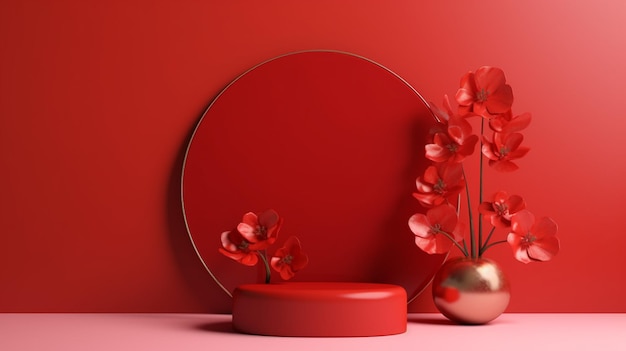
x,y
532,332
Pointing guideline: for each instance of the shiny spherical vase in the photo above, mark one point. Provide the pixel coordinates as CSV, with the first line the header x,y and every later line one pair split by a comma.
x,y
471,291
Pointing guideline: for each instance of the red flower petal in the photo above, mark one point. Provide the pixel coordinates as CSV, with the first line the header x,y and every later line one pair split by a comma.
x,y
428,229
545,227
533,241
260,230
465,95
431,175
500,100
419,225
503,166
497,124
512,141
519,252
453,145
289,259
468,147
502,209
486,208
518,153
522,222
445,216
248,226
487,150
435,152
484,93
428,200
236,247
436,245
515,203
517,123
299,262
489,78
452,174
544,249
442,114
441,182
423,187
268,218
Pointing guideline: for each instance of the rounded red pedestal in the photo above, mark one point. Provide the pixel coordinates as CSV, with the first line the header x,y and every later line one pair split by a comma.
x,y
320,309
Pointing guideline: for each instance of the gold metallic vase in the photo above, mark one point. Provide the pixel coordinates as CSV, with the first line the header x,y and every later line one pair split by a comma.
x,y
471,291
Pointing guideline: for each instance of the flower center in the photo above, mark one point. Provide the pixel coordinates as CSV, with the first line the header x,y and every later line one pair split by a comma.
x,y
440,187
261,232
501,209
504,151
529,238
435,228
287,259
452,147
243,245
482,95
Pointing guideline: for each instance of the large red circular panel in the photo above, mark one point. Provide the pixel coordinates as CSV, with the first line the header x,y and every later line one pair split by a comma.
x,y
333,142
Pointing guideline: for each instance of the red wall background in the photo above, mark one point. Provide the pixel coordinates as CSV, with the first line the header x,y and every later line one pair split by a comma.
x,y
98,100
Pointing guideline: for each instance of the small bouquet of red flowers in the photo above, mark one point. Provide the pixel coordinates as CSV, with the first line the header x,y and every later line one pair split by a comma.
x,y
252,237
483,94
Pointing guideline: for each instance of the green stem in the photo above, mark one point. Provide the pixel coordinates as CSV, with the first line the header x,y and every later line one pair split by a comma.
x,y
463,250
471,218
484,246
268,273
480,190
493,244
458,213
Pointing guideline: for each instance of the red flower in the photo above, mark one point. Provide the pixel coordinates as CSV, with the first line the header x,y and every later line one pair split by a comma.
x,y
443,115
289,259
533,241
431,229
455,145
504,149
235,246
260,230
502,209
440,183
484,93
506,123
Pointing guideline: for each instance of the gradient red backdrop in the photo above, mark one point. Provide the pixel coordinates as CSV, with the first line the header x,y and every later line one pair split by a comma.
x,y
98,100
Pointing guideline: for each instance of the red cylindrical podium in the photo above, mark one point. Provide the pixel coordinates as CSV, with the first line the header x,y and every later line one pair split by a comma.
x,y
320,309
